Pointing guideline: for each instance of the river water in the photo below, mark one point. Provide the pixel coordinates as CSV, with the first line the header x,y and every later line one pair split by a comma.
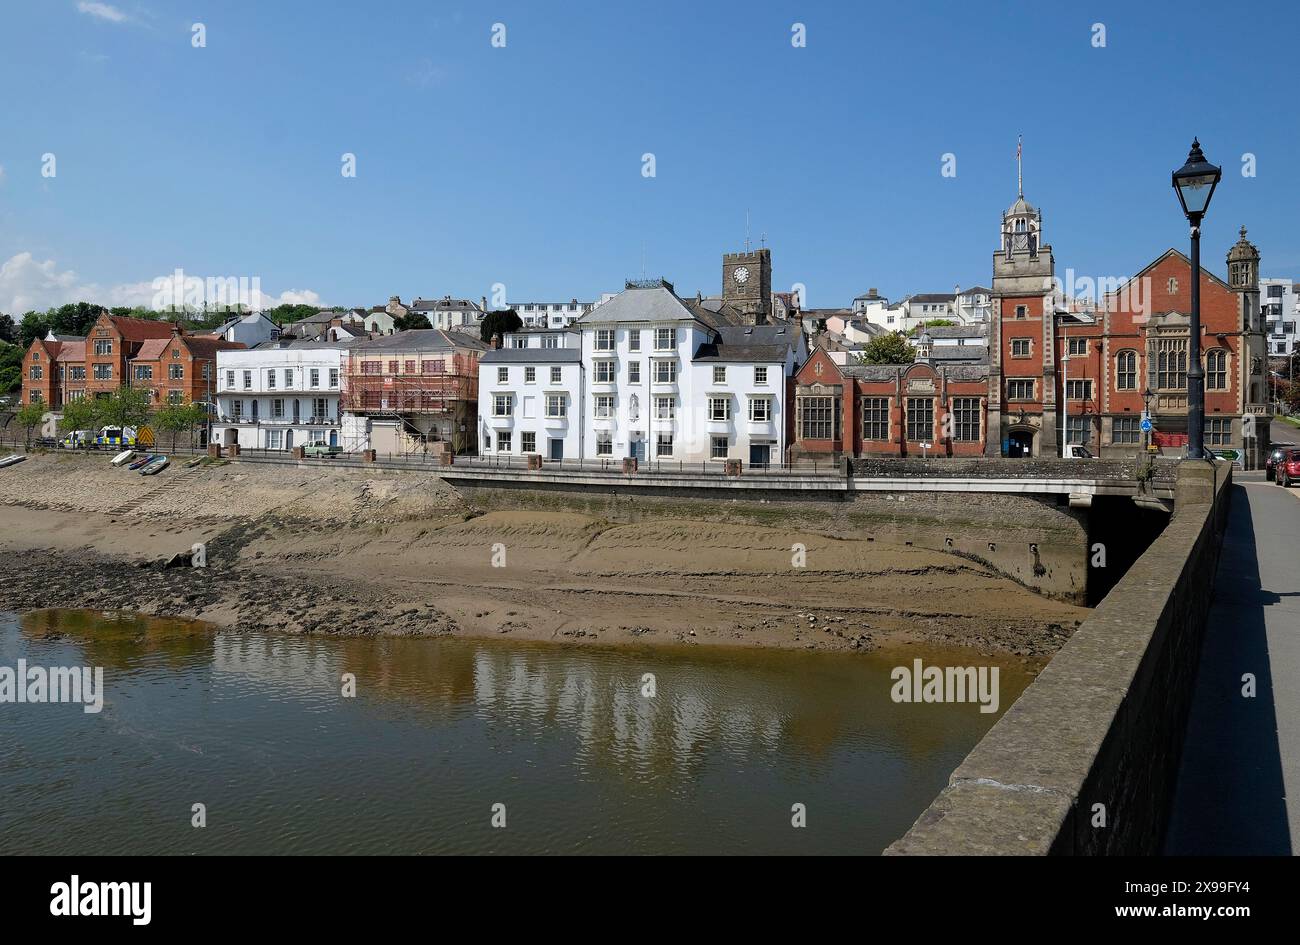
x,y
441,731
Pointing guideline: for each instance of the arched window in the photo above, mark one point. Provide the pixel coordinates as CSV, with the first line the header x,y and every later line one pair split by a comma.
x,y
1216,369
1126,370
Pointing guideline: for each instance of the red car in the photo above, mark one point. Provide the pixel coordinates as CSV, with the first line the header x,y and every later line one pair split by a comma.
x,y
1270,464
1288,467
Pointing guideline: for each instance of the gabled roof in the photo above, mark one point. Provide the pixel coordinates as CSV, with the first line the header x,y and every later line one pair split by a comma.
x,y
207,348
656,303
71,352
932,297
140,329
152,349
1157,261
757,343
421,339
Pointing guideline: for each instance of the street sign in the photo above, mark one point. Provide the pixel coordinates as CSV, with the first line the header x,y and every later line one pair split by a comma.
x,y
1146,425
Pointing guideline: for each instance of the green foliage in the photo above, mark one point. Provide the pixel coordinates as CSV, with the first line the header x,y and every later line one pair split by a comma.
x,y
11,368
888,349
497,323
178,419
933,323
124,407
80,414
410,321
29,417
8,329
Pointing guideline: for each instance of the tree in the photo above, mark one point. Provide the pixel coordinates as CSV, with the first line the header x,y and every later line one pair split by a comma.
x,y
80,415
29,417
411,321
125,407
11,368
496,324
888,349
8,329
283,314
176,419
34,325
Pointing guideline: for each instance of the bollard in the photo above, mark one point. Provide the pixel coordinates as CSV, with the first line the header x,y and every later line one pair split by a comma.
x,y
214,451
629,465
534,460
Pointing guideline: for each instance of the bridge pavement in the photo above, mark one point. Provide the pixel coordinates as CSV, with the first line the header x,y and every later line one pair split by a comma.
x,y
1238,789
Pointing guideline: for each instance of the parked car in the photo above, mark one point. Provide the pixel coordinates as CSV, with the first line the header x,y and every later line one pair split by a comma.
x,y
1288,467
1270,464
1076,451
321,449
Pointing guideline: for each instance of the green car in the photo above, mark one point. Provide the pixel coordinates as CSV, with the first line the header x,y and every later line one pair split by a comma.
x,y
321,449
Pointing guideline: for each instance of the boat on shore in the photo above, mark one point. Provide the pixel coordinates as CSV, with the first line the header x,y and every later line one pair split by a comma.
x,y
155,466
141,462
123,457
12,459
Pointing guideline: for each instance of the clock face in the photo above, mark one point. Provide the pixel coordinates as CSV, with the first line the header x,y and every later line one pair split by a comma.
x,y
741,275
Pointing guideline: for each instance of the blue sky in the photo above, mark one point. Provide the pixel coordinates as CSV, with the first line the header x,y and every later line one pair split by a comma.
x,y
522,165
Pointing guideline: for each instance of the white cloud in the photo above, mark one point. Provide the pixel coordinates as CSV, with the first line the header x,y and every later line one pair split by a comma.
x,y
28,283
102,11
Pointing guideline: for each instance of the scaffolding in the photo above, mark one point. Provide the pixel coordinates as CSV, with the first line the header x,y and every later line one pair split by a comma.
x,y
431,396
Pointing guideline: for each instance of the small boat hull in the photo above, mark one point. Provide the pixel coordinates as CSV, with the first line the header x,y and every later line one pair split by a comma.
x,y
141,463
156,466
12,460
123,458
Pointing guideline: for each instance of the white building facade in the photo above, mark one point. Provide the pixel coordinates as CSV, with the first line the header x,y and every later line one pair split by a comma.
x,y
668,381
530,394
276,397
1279,302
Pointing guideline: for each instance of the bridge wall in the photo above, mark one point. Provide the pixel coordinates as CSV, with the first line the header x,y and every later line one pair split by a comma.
x,y
1085,761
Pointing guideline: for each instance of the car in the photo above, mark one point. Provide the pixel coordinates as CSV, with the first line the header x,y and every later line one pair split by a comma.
x,y
1288,467
1076,451
321,449
1270,464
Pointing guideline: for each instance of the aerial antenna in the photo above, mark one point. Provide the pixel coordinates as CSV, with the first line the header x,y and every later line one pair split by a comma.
x,y
762,238
746,229
643,260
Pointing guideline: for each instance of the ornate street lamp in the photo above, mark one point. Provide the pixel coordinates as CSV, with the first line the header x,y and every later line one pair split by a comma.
x,y
1194,183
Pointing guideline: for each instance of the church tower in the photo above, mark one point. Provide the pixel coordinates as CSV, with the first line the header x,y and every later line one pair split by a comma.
x,y
747,284
1024,275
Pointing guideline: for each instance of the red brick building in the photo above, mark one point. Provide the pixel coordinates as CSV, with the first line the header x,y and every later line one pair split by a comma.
x,y
1061,375
919,409
137,352
180,368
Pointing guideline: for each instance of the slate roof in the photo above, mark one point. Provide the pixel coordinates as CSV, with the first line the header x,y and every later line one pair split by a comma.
x,y
532,355
957,331
650,304
738,343
932,297
422,339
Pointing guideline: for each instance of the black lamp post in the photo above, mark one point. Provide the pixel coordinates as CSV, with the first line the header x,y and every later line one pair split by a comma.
x,y
1146,415
1194,183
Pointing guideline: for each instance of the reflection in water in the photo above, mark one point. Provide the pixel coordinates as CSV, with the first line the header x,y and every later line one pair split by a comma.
x,y
254,727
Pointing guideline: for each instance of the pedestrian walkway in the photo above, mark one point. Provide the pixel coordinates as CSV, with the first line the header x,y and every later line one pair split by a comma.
x,y
1238,789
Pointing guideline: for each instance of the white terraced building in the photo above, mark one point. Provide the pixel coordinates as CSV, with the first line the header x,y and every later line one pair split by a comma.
x,y
279,395
654,377
670,380
530,395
